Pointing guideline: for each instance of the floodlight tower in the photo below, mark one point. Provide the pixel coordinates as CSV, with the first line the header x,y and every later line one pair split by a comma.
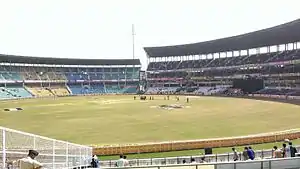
x,y
133,41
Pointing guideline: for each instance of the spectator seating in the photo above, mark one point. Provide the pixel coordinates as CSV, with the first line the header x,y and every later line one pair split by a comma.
x,y
202,90
229,61
170,90
13,76
98,88
162,90
217,90
40,91
71,74
87,89
129,89
77,76
30,76
19,92
58,76
96,76
113,89
189,90
59,90
279,91
4,94
1,77
13,92
153,90
75,88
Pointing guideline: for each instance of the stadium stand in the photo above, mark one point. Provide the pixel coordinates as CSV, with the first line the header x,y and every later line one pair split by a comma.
x,y
98,88
59,90
4,94
62,77
13,76
129,89
10,92
112,88
212,67
18,91
40,91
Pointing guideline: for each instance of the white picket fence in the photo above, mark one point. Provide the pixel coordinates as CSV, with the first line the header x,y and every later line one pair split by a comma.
x,y
52,153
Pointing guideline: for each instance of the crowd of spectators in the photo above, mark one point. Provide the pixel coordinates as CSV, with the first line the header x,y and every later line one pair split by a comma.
x,y
279,91
246,154
286,151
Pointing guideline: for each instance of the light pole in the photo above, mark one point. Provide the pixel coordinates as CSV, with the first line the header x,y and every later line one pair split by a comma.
x,y
133,41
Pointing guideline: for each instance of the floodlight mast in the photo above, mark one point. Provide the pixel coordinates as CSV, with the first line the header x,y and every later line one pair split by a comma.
x,y
133,41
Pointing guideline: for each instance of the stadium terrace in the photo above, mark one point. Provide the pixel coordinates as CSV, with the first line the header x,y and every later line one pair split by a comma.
x,y
211,67
22,76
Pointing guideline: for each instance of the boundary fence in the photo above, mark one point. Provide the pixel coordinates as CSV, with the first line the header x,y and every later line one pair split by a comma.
x,y
213,158
197,144
279,163
52,153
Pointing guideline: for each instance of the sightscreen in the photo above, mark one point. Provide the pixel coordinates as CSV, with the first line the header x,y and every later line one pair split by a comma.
x,y
248,85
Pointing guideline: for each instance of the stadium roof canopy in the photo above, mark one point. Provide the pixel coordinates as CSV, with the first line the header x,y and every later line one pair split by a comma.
x,y
66,61
281,34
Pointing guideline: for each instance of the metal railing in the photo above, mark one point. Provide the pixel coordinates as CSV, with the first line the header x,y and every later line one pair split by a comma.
x,y
279,163
259,154
52,153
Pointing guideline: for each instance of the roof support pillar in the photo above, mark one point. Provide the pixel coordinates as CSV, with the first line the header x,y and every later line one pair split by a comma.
x,y
285,47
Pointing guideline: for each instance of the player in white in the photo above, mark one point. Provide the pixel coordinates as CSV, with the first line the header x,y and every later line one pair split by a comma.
x,y
29,162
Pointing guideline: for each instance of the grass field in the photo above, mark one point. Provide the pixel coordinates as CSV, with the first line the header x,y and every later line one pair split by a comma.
x,y
120,119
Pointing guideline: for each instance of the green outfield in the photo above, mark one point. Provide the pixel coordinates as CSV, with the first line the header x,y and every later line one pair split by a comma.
x,y
100,120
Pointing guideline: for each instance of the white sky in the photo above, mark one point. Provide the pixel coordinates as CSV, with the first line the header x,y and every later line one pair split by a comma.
x,y
102,28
